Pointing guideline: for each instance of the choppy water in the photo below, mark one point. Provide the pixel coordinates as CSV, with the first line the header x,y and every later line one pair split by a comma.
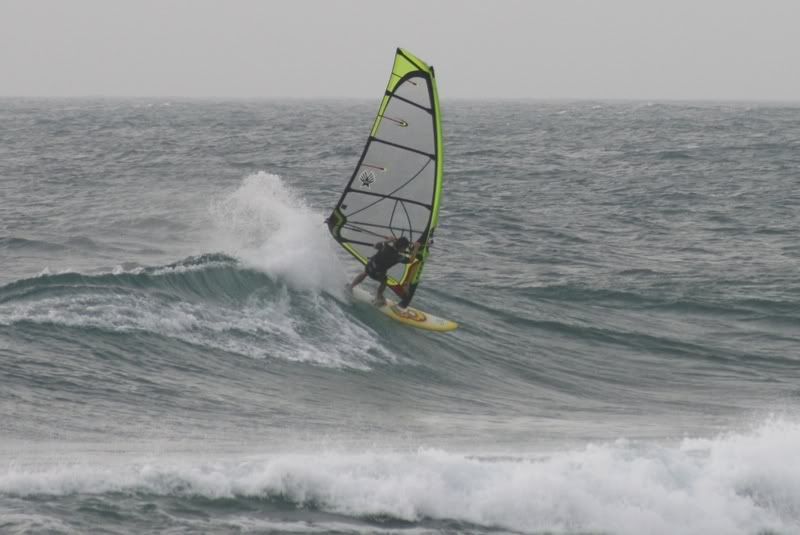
x,y
177,355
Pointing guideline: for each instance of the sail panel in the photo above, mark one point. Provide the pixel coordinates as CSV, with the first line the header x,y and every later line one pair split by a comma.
x,y
390,170
414,89
407,125
371,219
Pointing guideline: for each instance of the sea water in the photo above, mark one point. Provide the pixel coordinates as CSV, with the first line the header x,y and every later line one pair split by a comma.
x,y
177,355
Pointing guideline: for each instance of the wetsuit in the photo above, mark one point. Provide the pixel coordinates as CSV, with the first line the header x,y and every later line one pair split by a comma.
x,y
386,257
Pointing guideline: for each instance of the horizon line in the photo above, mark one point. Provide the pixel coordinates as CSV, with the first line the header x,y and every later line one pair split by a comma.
x,y
720,100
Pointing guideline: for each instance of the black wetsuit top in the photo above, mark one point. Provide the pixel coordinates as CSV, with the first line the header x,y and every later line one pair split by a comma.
x,y
386,257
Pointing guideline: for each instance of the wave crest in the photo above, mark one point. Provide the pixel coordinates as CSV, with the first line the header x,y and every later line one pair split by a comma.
x,y
211,300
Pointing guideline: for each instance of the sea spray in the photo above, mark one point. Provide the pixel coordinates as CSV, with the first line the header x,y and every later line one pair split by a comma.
x,y
268,226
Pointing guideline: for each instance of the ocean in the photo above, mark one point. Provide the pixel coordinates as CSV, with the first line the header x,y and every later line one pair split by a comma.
x,y
178,354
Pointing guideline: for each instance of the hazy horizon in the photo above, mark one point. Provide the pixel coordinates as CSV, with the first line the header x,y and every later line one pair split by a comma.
x,y
619,50
376,99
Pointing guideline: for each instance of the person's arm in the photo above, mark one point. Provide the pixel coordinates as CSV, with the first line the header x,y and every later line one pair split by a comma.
x,y
412,255
415,250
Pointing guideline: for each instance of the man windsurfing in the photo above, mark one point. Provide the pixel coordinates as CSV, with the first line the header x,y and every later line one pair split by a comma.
x,y
390,253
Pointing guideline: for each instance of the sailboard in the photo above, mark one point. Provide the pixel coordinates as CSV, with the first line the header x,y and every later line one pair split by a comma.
x,y
410,316
396,187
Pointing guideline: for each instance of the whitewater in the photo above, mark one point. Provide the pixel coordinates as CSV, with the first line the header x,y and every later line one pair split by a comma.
x,y
178,354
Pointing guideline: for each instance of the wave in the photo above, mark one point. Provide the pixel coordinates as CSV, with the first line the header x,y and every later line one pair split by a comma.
x,y
208,276
734,483
15,244
275,289
211,300
645,290
673,155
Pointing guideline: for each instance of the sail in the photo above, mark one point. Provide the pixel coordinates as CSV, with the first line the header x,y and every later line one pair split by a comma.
x,y
396,187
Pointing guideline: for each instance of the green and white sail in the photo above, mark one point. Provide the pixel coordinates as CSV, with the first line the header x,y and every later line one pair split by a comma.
x,y
396,187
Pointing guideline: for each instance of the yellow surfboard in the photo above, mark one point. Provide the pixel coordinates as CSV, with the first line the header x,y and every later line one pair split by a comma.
x,y
410,316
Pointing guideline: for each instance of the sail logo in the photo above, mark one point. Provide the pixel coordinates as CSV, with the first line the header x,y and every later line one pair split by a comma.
x,y
366,178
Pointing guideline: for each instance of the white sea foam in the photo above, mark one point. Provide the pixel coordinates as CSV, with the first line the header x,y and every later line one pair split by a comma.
x,y
737,483
269,227
47,272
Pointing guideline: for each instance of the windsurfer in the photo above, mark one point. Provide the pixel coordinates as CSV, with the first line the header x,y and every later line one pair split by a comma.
x,y
390,252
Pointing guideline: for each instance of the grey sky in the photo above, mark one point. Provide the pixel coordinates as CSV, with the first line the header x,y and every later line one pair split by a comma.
x,y
659,49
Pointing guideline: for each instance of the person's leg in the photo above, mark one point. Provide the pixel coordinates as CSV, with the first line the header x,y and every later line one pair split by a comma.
x,y
358,280
379,299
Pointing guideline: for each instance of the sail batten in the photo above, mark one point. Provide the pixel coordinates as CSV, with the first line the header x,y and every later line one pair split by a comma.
x,y
398,97
396,185
403,147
